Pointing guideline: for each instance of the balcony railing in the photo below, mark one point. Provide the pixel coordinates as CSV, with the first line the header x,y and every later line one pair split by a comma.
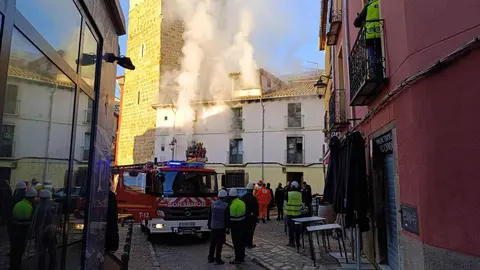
x,y
294,121
336,110
12,108
237,124
235,157
367,63
7,149
86,154
335,22
294,157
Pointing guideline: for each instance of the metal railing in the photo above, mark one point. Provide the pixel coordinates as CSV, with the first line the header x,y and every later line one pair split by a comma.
x,y
294,157
86,154
237,124
367,63
7,148
336,109
335,15
12,108
235,157
294,121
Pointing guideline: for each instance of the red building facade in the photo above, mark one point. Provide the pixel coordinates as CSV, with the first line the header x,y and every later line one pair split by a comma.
x,y
419,121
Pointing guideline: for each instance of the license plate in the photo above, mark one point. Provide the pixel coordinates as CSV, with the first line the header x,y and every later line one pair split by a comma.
x,y
187,231
187,224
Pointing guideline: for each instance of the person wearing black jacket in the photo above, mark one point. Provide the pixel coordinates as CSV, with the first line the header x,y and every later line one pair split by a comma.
x,y
272,201
279,197
112,238
307,197
251,214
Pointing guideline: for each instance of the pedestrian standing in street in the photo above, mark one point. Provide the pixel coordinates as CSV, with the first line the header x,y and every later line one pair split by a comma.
x,y
218,223
237,225
285,193
264,198
307,197
251,213
5,202
272,201
279,196
44,228
21,220
293,210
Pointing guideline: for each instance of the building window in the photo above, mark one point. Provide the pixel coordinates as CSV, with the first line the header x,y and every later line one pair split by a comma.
x,y
11,100
236,151
7,142
165,118
294,117
237,118
86,146
295,150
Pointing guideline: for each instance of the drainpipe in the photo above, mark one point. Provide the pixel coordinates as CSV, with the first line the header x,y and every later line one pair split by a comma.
x,y
346,25
47,150
263,139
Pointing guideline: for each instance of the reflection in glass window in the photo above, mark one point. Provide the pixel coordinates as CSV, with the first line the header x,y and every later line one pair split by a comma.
x,y
89,56
36,133
81,160
58,21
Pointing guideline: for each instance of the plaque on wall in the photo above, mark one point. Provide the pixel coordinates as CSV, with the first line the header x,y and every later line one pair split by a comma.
x,y
409,218
385,142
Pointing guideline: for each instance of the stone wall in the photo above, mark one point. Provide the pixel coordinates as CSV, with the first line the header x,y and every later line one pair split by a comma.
x,y
154,47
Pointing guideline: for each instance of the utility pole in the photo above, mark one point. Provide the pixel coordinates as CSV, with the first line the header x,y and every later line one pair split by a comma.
x,y
172,147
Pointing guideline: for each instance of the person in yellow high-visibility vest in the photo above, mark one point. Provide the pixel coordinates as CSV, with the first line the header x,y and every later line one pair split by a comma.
x,y
293,210
369,18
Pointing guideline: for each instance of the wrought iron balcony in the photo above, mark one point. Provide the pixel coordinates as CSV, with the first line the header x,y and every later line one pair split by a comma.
x,y
12,107
336,110
7,149
294,121
294,157
237,124
367,63
235,157
335,23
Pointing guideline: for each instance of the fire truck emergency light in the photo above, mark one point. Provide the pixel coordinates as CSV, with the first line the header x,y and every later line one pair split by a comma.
x,y
176,163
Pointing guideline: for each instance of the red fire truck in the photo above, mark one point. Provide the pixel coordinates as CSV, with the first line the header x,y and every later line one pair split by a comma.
x,y
167,197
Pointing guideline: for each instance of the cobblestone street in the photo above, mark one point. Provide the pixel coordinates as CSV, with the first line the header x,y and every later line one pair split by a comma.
x,y
175,252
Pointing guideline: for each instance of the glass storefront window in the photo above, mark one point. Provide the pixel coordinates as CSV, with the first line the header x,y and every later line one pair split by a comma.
x,y
58,21
35,139
90,46
79,184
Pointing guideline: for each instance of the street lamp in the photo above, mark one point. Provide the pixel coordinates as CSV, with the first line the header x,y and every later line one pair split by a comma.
x,y
320,84
88,59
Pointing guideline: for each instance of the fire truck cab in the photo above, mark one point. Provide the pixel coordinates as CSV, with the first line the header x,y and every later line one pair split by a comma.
x,y
171,197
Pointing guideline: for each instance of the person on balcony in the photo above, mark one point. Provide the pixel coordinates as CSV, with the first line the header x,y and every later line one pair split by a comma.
x,y
369,18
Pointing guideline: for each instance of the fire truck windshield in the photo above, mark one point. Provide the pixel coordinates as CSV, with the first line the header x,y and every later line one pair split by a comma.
x,y
190,183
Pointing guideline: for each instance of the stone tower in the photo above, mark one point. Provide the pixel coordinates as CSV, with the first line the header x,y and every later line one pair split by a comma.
x,y
155,46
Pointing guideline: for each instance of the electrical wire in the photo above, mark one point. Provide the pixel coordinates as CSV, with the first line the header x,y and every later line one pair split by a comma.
x,y
438,66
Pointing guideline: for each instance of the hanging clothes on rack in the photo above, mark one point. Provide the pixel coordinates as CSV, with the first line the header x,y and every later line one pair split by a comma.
x,y
331,184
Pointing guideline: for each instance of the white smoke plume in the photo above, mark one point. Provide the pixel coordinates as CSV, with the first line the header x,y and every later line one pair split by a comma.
x,y
217,41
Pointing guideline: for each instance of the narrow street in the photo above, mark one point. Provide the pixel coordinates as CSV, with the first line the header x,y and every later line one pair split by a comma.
x,y
175,252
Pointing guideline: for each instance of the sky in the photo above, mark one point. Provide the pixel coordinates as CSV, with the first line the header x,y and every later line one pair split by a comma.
x,y
298,48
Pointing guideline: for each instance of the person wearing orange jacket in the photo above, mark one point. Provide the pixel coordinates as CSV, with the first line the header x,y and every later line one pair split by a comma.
x,y
264,197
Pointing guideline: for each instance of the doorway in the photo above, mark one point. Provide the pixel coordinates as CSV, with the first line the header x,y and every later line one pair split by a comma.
x,y
234,178
295,176
385,200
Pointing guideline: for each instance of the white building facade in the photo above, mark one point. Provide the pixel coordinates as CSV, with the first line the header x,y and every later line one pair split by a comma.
x,y
232,132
